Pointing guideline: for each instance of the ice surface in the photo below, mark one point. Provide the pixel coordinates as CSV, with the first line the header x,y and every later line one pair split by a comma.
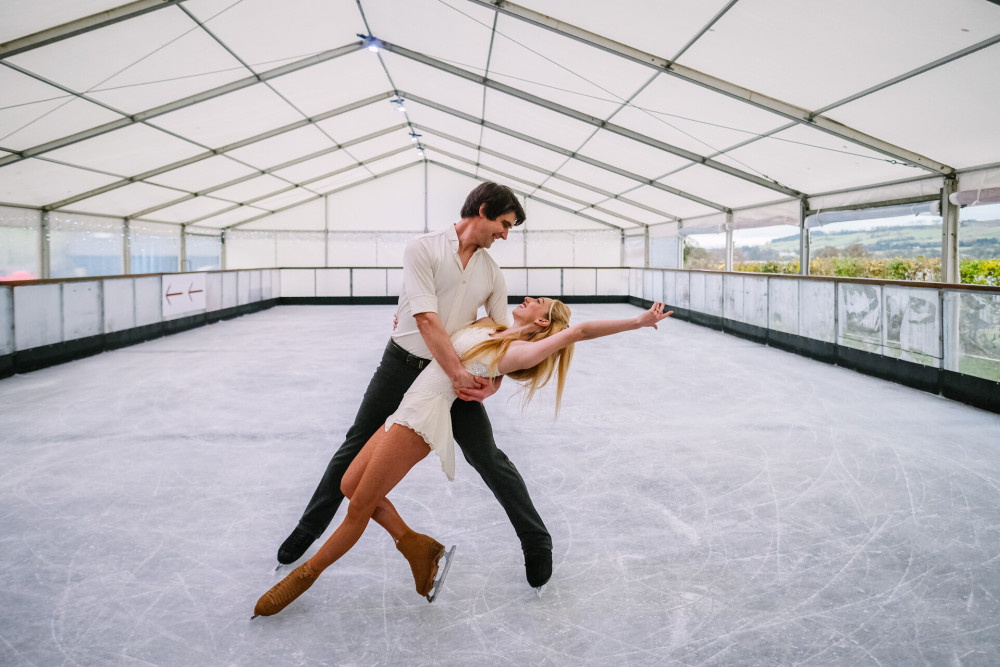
x,y
712,502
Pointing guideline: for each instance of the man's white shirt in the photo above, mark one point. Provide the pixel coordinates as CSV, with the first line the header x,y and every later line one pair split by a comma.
x,y
434,281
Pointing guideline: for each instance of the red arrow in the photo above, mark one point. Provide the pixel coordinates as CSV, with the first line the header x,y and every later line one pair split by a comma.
x,y
170,294
193,291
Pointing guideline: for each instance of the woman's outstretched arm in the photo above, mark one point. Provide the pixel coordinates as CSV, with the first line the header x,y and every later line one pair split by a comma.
x,y
526,354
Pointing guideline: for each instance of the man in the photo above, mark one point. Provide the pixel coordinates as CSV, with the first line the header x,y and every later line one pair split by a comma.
x,y
447,276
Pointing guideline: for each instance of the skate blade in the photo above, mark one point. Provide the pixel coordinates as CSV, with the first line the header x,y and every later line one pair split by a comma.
x,y
442,573
539,590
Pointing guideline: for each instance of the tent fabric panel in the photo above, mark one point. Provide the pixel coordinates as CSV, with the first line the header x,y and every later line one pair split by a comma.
x,y
392,162
528,178
361,122
444,88
96,58
542,217
265,33
817,68
284,199
191,209
522,150
247,112
634,212
203,174
542,63
667,202
706,224
659,27
536,121
631,155
467,27
168,69
612,220
333,84
573,191
939,120
127,200
255,187
37,182
601,178
434,142
310,216
232,217
316,167
282,148
433,120
32,17
32,117
715,185
366,208
929,187
340,180
810,160
132,150
693,117
783,213
380,145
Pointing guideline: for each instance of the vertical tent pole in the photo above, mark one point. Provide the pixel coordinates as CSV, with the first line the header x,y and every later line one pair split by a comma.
x,y
45,246
803,238
729,241
126,246
949,233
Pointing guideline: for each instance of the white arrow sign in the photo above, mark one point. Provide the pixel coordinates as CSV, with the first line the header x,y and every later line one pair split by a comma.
x,y
183,294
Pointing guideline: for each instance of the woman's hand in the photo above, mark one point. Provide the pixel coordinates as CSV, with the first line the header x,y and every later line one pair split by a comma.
x,y
654,315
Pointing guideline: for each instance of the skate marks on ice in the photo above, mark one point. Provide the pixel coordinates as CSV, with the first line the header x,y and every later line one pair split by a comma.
x,y
711,501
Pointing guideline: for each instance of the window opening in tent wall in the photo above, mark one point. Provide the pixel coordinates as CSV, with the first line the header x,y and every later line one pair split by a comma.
x,y
81,246
705,251
979,244
204,252
20,243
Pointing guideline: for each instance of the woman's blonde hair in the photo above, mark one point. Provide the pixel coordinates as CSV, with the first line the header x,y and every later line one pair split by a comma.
x,y
537,376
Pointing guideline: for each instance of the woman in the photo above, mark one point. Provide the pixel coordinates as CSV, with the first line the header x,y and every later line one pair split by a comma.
x,y
539,344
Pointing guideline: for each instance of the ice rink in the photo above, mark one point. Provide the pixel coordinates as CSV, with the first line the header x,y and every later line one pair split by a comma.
x,y
712,502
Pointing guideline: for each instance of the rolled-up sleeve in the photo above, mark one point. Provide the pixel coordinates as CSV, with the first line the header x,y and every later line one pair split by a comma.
x,y
418,276
496,303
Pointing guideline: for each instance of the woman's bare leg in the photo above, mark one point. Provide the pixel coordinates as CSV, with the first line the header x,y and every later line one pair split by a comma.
x,y
389,456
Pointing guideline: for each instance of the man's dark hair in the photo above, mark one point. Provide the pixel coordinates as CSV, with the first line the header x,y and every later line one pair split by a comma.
x,y
499,199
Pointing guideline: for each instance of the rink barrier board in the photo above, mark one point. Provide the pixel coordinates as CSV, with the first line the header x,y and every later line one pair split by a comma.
x,y
979,392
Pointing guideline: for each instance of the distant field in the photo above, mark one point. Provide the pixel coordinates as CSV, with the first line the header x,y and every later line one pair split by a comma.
x,y
978,240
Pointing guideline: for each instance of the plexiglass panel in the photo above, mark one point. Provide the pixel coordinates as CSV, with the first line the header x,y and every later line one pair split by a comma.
x,y
974,333
154,248
860,318
913,324
20,244
203,253
83,245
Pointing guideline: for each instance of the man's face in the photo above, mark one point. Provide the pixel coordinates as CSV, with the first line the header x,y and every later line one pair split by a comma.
x,y
493,230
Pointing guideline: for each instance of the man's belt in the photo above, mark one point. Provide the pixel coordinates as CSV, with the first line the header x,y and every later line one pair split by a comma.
x,y
399,352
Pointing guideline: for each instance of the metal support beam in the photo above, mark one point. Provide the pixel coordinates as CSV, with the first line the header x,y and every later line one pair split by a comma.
x,y
126,246
672,68
240,144
803,239
182,260
81,26
562,151
950,272
526,195
45,247
729,241
590,120
182,103
680,245
548,175
531,184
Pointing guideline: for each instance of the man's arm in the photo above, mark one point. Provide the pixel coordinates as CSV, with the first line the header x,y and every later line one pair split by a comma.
x,y
467,386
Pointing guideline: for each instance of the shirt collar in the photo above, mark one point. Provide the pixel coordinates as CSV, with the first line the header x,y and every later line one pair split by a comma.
x,y
452,235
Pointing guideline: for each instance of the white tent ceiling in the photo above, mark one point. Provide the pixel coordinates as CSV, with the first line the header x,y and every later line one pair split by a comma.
x,y
218,112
